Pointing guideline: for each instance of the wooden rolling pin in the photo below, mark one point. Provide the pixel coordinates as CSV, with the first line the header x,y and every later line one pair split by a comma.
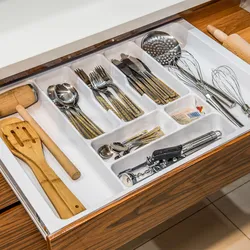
x,y
25,95
67,165
235,43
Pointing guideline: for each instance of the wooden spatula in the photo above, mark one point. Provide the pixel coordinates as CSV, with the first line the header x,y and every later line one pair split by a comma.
x,y
25,141
60,206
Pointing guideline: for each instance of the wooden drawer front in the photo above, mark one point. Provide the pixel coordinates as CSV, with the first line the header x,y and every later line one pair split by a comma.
x,y
128,218
7,197
18,231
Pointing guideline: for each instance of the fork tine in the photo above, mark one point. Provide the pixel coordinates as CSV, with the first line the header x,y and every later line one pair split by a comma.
x,y
97,76
103,73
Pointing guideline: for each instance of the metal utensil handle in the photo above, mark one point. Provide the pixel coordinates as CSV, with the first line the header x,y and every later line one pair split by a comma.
x,y
137,111
200,141
75,123
127,116
135,86
135,137
220,95
104,103
88,120
212,100
211,89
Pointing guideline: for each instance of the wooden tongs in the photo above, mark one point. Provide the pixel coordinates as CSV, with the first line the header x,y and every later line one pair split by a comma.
x,y
25,144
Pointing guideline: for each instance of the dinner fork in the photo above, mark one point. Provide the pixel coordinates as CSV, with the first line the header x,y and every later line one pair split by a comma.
x,y
84,77
137,111
100,85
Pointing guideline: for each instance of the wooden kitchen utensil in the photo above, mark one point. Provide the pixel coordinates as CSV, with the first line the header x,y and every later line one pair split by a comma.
x,y
60,206
25,95
234,43
67,165
25,140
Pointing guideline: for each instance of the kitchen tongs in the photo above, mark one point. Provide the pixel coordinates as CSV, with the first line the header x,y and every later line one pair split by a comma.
x,y
26,145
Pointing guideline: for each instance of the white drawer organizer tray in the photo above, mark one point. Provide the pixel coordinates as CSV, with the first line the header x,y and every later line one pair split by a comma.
x,y
99,184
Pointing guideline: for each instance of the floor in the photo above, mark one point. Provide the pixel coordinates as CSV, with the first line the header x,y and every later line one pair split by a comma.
x,y
219,222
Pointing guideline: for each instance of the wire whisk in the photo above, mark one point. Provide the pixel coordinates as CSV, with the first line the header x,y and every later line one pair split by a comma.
x,y
188,70
225,79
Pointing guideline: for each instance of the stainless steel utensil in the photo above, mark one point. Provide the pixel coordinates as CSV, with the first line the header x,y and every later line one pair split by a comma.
x,y
226,80
99,84
66,100
137,111
66,110
139,86
67,95
96,93
148,83
119,149
191,65
163,158
166,49
146,71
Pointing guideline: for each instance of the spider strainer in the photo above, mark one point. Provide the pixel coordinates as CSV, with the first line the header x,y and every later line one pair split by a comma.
x,y
162,46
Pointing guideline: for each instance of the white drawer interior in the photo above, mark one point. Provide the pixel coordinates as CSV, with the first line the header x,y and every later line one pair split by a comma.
x,y
99,184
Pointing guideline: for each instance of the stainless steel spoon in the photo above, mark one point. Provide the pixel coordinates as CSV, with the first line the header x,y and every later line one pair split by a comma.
x,y
67,111
67,95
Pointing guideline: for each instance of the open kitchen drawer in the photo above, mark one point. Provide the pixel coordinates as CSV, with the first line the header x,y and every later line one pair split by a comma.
x,y
116,214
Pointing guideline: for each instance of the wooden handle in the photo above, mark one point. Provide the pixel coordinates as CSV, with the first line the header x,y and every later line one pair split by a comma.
x,y
25,95
67,165
235,43
73,204
62,209
218,34
238,46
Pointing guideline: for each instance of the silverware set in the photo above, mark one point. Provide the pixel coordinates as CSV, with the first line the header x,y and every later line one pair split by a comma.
x,y
109,95
66,97
144,81
167,51
119,149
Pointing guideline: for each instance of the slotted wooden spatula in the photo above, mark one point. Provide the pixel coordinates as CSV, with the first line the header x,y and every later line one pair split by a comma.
x,y
24,140
60,206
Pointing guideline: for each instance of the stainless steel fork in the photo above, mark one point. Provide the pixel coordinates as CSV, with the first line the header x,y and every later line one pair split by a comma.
x,y
100,85
136,110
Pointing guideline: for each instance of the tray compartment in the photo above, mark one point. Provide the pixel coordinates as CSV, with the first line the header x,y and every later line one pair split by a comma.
x,y
107,121
204,50
156,118
130,48
189,101
206,124
89,63
94,174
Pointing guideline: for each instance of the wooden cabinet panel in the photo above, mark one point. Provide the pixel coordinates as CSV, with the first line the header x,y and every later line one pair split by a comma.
x,y
7,196
17,231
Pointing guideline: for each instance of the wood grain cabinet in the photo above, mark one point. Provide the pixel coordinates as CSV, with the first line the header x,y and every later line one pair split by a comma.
x,y
116,214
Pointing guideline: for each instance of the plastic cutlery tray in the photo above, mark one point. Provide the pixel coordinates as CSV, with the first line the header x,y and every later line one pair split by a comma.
x,y
99,184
